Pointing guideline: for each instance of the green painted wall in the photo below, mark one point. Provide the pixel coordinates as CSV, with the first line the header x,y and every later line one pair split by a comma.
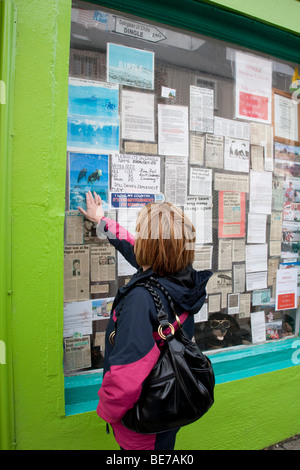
x,y
281,13
249,413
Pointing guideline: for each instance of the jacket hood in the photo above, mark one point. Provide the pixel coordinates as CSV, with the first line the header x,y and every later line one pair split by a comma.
x,y
187,288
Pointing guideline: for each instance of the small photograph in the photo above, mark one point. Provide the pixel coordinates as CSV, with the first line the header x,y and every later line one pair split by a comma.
x,y
101,308
130,66
88,172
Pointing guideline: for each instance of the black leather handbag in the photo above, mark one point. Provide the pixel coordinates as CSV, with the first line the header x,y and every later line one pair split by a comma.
x,y
180,387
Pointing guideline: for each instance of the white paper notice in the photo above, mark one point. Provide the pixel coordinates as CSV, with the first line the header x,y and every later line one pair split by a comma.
x,y
173,130
286,288
258,327
199,211
256,258
201,109
176,180
135,174
260,192
253,84
231,128
257,225
202,315
78,318
200,181
286,118
256,281
137,116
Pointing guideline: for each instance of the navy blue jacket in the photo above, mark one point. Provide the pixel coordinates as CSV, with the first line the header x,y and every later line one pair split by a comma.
x,y
137,343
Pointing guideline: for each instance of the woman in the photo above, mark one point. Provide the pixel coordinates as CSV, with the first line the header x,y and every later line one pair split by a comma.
x,y
163,248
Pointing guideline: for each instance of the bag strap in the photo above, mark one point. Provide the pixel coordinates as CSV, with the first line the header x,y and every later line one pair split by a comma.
x,y
162,316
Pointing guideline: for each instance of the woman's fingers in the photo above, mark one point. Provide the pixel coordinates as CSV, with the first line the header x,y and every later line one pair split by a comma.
x,y
82,211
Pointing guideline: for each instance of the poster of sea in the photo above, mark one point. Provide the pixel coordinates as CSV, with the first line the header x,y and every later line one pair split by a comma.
x,y
93,116
130,66
88,172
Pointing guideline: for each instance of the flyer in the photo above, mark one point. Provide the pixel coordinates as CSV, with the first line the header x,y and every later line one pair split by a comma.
x,y
125,200
78,318
260,192
253,85
231,128
176,180
256,258
137,116
262,136
231,214
197,144
173,130
74,228
93,116
199,210
77,353
200,181
258,327
214,150
257,228
201,109
130,66
135,174
103,262
286,288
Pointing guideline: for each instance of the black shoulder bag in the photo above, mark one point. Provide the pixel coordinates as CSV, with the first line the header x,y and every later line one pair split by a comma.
x,y
180,387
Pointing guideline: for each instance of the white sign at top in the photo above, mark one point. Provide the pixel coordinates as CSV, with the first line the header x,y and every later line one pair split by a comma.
x,y
138,30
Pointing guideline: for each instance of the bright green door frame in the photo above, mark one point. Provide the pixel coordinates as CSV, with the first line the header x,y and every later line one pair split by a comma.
x,y
7,49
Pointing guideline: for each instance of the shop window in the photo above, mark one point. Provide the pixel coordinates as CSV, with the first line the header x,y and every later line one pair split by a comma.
x,y
161,113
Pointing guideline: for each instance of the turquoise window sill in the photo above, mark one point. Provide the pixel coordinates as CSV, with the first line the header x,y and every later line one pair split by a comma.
x,y
81,391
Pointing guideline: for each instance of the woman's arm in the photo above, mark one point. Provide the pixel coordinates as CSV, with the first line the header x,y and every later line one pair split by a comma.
x,y
118,236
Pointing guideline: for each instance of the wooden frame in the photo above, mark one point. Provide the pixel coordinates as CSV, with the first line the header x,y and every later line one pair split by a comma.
x,y
281,138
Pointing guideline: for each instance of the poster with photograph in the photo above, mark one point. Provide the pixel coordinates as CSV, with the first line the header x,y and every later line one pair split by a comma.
x,y
130,66
76,272
236,155
287,160
93,116
88,172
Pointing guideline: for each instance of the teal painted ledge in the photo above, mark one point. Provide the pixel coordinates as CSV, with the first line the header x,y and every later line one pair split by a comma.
x,y
81,391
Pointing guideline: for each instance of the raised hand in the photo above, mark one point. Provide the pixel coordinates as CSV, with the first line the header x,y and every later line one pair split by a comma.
x,y
94,210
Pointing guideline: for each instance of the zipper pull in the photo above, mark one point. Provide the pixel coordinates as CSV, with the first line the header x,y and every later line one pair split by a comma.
x,y
107,429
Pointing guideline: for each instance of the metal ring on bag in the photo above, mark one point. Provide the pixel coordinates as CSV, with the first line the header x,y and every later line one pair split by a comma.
x,y
111,338
161,333
178,321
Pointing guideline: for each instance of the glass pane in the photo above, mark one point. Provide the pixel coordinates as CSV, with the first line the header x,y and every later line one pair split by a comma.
x,y
157,112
